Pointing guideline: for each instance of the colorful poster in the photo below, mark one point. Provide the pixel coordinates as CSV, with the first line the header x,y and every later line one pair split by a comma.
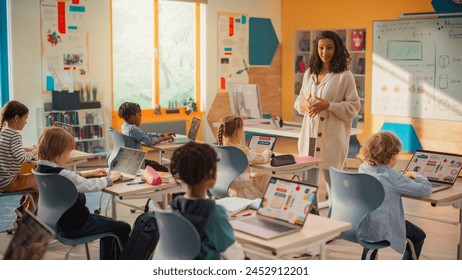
x,y
64,44
233,49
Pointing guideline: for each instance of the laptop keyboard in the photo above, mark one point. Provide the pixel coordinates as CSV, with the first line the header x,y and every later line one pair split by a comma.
x,y
267,224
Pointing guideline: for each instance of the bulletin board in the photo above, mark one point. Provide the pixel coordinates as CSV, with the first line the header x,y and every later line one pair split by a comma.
x,y
416,68
64,37
233,49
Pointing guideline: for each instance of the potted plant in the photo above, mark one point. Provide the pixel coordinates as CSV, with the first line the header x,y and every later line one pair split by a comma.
x,y
190,105
89,118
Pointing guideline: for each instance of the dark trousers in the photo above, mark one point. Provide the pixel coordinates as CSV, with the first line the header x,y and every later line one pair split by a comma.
x,y
417,236
108,248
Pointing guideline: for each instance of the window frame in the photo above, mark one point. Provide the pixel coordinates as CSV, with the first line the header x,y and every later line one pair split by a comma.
x,y
156,62
4,66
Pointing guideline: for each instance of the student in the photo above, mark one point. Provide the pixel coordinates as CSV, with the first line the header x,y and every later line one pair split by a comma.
x,y
55,146
387,222
13,154
131,114
196,165
251,186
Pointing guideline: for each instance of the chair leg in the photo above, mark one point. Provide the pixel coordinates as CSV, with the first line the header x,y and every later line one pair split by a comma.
x,y
66,257
87,251
411,247
370,254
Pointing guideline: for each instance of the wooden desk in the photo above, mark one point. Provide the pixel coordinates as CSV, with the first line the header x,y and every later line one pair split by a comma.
x,y
316,232
123,191
163,148
291,131
285,169
76,157
445,198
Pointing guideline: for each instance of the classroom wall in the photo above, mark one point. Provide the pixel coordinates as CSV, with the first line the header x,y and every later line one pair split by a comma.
x,y
297,15
255,8
26,83
26,51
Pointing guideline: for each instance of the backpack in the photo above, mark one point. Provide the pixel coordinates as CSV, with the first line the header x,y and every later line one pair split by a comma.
x,y
143,238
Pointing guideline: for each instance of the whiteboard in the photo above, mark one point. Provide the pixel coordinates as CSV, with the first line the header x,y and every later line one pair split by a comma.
x,y
244,100
417,68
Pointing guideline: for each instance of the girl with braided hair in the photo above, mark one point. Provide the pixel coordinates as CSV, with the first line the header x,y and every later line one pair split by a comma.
x,y
248,185
196,165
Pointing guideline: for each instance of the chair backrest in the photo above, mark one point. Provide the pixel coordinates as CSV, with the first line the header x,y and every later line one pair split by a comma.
x,y
178,238
353,147
118,141
354,196
57,195
233,162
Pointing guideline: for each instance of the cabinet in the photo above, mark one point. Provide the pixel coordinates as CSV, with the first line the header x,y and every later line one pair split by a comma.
x,y
87,125
355,42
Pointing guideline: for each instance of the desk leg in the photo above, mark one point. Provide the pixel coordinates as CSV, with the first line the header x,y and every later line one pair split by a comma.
x,y
161,155
114,210
164,201
459,247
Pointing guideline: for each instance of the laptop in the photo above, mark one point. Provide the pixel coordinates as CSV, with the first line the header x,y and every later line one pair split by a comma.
x,y
284,209
127,161
31,239
259,143
441,169
192,134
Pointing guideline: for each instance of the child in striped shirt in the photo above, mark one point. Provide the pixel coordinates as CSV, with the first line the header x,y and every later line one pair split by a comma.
x,y
13,154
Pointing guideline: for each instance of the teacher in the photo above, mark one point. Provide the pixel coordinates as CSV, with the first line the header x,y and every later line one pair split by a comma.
x,y
328,100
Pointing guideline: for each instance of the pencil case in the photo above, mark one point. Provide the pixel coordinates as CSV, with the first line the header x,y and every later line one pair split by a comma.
x,y
282,160
151,176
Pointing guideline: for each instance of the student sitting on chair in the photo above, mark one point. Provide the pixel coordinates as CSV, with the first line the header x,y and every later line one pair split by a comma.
x,y
387,222
13,154
55,147
131,114
251,186
196,165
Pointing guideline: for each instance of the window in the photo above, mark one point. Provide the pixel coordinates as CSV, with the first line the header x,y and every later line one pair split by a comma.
x,y
139,28
4,84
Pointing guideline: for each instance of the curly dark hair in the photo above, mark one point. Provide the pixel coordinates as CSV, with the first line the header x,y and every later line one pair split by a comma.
x,y
128,109
194,163
341,57
230,125
380,148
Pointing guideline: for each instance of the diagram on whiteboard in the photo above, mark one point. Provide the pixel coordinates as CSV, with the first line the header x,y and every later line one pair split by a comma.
x,y
416,69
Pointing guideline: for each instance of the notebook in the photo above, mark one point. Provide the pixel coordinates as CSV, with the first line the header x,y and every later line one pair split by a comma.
x,y
441,169
259,143
234,205
284,209
127,161
192,134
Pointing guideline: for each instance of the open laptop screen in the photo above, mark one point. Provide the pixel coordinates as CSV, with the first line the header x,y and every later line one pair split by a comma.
x,y
436,166
128,161
194,129
259,143
288,201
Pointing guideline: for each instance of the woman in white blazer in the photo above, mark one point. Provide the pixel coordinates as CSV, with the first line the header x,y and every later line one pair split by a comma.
x,y
329,101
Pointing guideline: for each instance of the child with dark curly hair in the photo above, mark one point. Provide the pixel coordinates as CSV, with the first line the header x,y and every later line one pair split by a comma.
x,y
133,136
387,222
196,165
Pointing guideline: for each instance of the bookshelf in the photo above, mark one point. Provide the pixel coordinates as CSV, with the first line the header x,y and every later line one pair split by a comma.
x,y
87,125
303,45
